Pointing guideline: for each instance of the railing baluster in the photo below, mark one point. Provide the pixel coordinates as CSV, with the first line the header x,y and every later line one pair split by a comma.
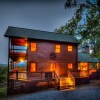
x,y
72,77
16,75
41,74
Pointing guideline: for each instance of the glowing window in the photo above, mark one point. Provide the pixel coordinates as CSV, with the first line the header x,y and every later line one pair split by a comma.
x,y
84,66
57,49
33,46
52,66
70,65
70,48
33,67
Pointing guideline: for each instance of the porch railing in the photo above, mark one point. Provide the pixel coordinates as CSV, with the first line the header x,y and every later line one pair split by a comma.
x,y
71,77
20,75
16,52
57,81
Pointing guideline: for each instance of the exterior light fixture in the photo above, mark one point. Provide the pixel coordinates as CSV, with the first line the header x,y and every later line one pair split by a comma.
x,y
21,60
26,44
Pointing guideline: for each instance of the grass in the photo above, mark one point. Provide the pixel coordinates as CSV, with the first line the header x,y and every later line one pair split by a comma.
x,y
3,81
3,91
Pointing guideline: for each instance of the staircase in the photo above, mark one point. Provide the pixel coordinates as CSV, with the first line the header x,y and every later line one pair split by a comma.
x,y
66,83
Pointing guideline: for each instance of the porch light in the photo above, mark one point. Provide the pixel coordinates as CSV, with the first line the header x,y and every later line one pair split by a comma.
x,y
26,44
21,60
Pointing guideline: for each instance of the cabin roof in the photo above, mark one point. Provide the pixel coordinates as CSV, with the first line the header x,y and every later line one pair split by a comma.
x,y
83,57
40,35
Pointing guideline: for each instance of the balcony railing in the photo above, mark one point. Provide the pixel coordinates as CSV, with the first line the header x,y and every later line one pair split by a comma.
x,y
17,52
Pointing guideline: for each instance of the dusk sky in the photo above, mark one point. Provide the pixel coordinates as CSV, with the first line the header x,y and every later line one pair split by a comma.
x,y
44,15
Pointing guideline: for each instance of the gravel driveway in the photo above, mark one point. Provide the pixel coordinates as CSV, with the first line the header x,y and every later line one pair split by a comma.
x,y
85,92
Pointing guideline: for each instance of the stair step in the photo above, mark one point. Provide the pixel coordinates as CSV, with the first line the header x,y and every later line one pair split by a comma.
x,y
66,82
65,79
65,87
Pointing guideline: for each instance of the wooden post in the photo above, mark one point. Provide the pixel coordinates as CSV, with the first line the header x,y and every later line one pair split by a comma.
x,y
27,69
16,75
8,67
41,74
54,74
58,84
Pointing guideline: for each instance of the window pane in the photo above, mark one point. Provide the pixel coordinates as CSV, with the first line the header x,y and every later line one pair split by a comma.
x,y
33,67
58,46
57,49
70,48
52,66
33,46
70,65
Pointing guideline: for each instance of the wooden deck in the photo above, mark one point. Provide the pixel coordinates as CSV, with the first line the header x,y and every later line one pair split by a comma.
x,y
29,82
34,76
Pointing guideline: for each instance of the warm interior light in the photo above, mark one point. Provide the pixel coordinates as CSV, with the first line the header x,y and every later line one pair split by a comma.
x,y
33,67
83,66
26,44
84,73
84,69
33,46
21,60
70,48
57,49
70,65
92,71
52,66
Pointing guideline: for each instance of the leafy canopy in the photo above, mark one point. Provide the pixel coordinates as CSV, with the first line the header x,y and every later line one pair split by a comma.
x,y
85,24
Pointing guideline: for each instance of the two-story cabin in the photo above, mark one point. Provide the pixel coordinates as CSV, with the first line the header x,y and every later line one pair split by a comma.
x,y
38,56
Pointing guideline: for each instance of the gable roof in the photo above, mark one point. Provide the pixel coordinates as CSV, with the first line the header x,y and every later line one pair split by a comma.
x,y
83,57
37,34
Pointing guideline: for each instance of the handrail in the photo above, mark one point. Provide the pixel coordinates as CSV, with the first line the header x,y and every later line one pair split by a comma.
x,y
72,77
57,80
27,75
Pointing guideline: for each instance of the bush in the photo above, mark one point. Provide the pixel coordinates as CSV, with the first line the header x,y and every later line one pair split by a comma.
x,y
3,74
3,78
3,91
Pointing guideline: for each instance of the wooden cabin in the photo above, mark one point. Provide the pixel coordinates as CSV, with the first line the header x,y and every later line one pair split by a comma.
x,y
88,65
47,57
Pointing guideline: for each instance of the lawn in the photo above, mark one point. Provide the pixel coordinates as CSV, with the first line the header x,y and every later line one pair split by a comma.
x,y
3,91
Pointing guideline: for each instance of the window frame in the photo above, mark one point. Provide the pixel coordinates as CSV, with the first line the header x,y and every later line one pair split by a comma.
x,y
69,48
34,47
57,48
53,65
30,67
71,66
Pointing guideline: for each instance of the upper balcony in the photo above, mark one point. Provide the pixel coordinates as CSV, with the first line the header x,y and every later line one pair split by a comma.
x,y
18,48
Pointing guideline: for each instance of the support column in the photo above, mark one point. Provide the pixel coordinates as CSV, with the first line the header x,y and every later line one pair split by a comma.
x,y
8,66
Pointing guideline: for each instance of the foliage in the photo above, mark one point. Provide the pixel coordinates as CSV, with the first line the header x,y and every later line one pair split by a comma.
x,y
3,74
3,91
3,81
85,24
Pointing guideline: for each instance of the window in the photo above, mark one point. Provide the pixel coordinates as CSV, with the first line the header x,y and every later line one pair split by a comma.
x,y
70,65
57,49
70,48
52,66
33,46
33,67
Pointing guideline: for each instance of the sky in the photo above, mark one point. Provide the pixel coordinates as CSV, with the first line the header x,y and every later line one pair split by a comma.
x,y
44,15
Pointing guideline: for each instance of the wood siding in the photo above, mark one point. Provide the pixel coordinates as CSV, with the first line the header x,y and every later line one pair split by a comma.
x,y
43,60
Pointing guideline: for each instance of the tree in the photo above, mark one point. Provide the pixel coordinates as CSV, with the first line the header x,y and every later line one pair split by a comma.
x,y
89,13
